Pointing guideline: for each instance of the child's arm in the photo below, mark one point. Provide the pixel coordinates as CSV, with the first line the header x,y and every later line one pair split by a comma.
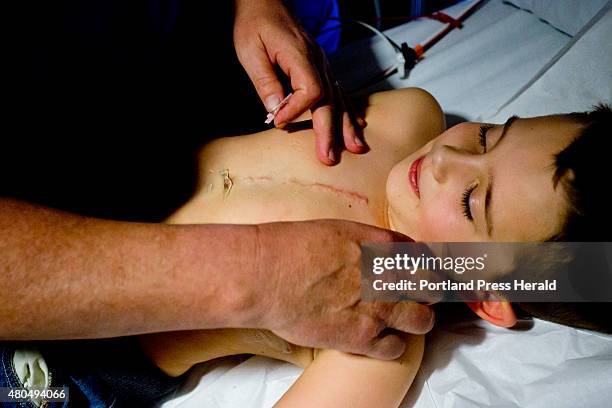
x,y
176,352
333,379
337,379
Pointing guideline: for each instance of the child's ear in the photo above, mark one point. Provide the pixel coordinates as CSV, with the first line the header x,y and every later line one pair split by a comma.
x,y
497,312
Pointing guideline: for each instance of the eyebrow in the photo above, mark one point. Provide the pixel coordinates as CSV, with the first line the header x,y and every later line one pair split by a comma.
x,y
488,194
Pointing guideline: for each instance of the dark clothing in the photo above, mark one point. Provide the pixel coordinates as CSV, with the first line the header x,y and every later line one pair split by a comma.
x,y
109,98
105,102
97,373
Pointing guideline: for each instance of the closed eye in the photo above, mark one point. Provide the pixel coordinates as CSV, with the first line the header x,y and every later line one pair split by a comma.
x,y
465,202
482,136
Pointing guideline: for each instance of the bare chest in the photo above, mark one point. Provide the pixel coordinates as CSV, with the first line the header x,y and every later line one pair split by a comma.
x,y
281,180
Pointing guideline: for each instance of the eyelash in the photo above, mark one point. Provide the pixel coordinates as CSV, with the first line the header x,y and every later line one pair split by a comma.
x,y
465,202
465,197
482,136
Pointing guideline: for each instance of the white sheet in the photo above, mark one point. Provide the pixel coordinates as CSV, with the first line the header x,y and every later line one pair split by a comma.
x,y
476,364
472,70
504,61
469,364
580,78
561,13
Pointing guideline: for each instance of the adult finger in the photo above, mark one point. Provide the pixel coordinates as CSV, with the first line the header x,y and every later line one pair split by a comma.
x,y
410,317
325,115
323,126
259,69
387,347
308,86
345,117
359,120
351,133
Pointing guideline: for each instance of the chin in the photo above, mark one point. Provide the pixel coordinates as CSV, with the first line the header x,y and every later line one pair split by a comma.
x,y
401,202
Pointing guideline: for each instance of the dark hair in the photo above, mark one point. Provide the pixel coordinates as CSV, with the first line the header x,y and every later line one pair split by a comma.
x,y
588,217
578,166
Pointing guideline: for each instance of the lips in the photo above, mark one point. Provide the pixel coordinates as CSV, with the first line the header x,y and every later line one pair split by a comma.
x,y
414,175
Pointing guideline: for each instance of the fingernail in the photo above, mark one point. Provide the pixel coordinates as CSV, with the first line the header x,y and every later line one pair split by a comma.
x,y
358,141
272,102
331,156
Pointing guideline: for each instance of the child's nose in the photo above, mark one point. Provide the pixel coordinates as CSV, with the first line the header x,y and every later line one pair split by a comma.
x,y
448,161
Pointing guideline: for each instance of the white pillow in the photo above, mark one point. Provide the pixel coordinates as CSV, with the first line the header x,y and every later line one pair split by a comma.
x,y
568,16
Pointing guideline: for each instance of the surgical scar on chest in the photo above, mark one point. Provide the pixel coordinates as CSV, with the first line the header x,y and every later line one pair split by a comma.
x,y
236,180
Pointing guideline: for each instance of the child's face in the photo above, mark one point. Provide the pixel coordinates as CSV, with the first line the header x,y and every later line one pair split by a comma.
x,y
468,192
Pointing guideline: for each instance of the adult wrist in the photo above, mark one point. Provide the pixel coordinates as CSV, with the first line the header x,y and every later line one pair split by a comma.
x,y
248,7
235,279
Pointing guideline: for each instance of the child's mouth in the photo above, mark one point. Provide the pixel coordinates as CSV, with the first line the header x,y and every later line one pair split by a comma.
x,y
414,175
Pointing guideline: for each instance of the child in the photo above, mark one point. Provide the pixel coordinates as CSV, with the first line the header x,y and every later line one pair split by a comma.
x,y
527,180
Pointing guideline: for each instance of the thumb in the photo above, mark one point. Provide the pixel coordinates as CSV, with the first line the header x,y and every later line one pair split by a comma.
x,y
262,75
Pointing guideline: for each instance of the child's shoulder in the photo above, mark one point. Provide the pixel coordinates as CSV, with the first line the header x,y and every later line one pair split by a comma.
x,y
406,117
413,94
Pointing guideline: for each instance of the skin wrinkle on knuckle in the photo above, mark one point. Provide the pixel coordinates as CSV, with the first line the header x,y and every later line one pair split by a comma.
x,y
385,311
379,327
369,329
393,315
265,82
312,93
358,340
300,43
325,114
410,319
251,52
420,319
354,300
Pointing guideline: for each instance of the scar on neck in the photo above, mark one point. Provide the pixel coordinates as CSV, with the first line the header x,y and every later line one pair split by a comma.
x,y
352,195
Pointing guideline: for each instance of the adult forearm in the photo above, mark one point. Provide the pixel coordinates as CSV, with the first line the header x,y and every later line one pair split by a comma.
x,y
67,276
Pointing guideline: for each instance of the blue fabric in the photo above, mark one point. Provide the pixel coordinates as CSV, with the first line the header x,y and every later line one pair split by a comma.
x,y
317,17
98,373
9,378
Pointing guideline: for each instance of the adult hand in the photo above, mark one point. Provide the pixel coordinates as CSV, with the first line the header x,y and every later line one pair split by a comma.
x,y
265,35
310,277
